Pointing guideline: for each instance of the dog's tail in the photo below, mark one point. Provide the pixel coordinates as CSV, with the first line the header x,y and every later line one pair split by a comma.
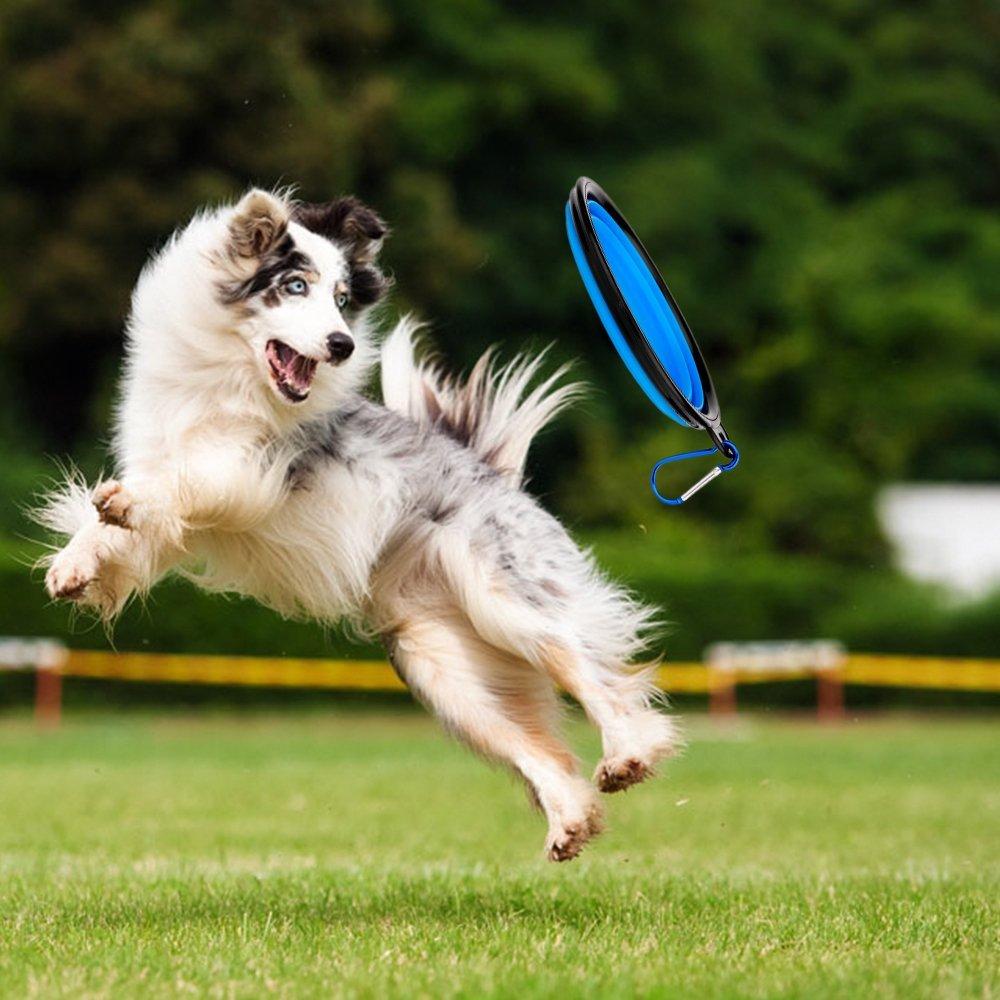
x,y
492,411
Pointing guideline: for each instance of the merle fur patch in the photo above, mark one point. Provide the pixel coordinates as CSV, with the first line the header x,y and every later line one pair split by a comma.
x,y
284,259
359,231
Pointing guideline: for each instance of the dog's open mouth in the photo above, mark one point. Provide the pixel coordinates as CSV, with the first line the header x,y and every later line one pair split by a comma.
x,y
292,372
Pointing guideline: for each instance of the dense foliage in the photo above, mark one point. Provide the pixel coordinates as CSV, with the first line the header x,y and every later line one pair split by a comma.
x,y
817,180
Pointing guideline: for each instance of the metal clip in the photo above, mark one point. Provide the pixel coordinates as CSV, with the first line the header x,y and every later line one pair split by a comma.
x,y
729,450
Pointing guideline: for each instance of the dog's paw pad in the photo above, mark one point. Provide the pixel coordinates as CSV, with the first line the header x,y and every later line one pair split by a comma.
x,y
567,842
617,775
113,503
67,583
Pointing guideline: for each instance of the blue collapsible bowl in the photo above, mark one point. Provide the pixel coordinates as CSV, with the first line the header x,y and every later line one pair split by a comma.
x,y
642,319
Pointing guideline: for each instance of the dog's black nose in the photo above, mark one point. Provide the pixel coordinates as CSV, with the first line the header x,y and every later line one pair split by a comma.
x,y
340,345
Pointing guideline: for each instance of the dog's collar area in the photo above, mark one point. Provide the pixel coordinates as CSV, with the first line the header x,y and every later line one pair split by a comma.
x,y
645,324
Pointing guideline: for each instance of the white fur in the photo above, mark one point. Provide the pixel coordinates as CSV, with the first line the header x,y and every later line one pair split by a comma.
x,y
505,416
408,522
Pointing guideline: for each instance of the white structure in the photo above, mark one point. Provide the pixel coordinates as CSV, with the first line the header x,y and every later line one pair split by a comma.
x,y
946,534
775,657
31,654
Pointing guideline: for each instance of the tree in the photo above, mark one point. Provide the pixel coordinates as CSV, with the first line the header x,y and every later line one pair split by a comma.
x,y
816,180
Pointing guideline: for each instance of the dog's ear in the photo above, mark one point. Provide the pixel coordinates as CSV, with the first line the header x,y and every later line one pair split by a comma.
x,y
260,220
359,231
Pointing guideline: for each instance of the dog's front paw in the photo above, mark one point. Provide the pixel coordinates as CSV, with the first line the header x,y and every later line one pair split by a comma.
x,y
113,503
69,575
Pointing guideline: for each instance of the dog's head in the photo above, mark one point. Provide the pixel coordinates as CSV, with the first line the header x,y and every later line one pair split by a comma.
x,y
298,279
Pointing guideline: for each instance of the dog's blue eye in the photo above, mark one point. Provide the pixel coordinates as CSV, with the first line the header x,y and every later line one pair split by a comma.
x,y
296,287
341,299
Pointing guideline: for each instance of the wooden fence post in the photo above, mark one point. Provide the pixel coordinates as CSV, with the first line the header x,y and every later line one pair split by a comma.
x,y
50,658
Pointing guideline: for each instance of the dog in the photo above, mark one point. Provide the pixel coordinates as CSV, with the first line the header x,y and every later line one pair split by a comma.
x,y
250,459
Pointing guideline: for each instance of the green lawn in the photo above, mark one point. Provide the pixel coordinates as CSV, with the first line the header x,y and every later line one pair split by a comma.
x,y
361,854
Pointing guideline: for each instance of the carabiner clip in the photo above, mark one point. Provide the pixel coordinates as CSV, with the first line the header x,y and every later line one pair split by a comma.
x,y
728,450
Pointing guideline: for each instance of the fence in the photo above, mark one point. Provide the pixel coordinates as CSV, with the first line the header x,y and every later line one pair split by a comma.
x,y
726,666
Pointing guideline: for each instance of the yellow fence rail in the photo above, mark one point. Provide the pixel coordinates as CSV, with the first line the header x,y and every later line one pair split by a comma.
x,y
253,671
923,672
375,675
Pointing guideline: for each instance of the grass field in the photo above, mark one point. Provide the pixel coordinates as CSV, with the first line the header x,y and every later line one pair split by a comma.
x,y
361,854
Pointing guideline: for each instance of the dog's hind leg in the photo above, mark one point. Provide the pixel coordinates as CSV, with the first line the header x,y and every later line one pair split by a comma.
x,y
568,642
619,699
504,709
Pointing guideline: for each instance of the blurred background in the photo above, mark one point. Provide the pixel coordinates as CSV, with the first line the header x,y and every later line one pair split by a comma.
x,y
817,181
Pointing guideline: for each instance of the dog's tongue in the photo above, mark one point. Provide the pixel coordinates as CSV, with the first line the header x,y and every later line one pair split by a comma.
x,y
300,372
296,369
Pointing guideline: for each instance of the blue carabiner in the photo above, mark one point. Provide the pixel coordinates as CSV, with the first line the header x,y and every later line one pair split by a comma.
x,y
727,447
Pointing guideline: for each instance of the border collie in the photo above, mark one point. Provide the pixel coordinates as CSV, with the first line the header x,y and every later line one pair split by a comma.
x,y
249,459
